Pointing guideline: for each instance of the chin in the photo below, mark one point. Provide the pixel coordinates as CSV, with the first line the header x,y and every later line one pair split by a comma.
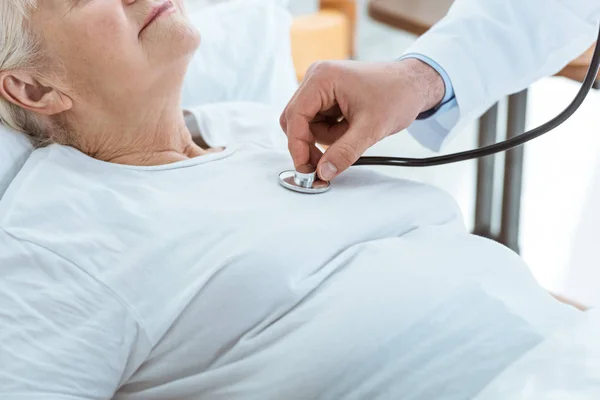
x,y
189,37
175,39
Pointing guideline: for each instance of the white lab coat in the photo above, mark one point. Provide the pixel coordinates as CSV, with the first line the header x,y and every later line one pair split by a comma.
x,y
492,48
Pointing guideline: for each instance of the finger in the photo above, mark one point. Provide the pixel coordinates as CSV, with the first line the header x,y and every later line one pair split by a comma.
x,y
300,140
295,122
283,123
313,78
286,110
332,116
300,151
315,95
284,114
327,133
298,117
315,155
334,111
345,151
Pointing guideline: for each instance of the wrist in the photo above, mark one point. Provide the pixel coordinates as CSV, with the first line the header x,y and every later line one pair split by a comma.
x,y
427,83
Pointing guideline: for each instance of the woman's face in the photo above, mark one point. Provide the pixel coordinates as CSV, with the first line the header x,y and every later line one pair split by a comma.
x,y
107,53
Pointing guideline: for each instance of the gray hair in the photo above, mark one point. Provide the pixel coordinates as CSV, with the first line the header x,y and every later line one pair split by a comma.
x,y
19,50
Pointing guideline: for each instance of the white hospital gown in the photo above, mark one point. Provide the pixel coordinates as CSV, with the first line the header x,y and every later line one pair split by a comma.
x,y
205,279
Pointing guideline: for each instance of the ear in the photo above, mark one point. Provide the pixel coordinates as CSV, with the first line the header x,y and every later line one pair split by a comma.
x,y
22,89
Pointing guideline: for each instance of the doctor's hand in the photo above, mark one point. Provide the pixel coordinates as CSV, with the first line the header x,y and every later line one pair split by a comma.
x,y
350,106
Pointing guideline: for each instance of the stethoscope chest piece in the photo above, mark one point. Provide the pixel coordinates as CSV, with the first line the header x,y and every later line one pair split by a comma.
x,y
303,180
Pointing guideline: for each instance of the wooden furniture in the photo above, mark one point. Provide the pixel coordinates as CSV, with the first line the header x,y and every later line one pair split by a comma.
x,y
414,16
570,302
325,35
578,68
418,16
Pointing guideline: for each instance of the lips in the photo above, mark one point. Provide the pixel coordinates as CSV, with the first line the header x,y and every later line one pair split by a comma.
x,y
156,12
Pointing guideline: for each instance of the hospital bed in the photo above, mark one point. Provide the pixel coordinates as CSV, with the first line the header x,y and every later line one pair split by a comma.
x,y
327,34
338,25
225,74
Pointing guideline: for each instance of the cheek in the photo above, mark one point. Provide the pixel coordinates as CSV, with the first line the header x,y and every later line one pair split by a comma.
x,y
95,48
93,55
102,39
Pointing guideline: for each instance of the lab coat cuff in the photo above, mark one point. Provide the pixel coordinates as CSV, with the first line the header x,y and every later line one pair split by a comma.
x,y
470,99
433,133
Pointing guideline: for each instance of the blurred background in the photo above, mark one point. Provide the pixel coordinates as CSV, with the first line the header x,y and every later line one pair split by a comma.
x,y
559,230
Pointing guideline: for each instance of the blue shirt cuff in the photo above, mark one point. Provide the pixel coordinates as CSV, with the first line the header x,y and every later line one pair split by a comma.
x,y
449,97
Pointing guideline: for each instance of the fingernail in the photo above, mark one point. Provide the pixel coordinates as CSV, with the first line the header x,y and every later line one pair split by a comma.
x,y
328,171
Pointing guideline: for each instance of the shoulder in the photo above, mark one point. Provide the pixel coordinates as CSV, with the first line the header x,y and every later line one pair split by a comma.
x,y
55,184
35,274
66,320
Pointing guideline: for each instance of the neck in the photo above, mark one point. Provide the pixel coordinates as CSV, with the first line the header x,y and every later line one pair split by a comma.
x,y
136,135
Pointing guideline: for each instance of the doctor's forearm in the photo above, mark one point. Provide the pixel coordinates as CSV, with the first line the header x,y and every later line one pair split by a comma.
x,y
428,82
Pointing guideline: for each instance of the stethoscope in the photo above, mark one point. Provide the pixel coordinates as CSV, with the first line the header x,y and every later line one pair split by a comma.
x,y
305,181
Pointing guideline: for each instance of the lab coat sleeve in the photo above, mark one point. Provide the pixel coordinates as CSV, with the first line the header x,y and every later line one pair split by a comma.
x,y
493,48
64,335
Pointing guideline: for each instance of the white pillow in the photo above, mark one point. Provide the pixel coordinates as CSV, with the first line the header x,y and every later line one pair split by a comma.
x,y
245,55
14,150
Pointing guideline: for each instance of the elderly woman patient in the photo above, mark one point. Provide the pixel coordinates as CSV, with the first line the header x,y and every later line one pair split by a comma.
x,y
137,264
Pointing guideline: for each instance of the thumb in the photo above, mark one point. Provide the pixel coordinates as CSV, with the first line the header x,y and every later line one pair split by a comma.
x,y
345,151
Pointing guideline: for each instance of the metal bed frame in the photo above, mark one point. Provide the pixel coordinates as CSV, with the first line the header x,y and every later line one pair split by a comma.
x,y
513,175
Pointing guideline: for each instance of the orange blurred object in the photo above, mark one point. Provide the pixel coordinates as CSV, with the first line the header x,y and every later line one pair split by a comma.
x,y
320,36
578,68
349,9
326,35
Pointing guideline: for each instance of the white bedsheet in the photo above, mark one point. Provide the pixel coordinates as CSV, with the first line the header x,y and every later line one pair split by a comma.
x,y
564,366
